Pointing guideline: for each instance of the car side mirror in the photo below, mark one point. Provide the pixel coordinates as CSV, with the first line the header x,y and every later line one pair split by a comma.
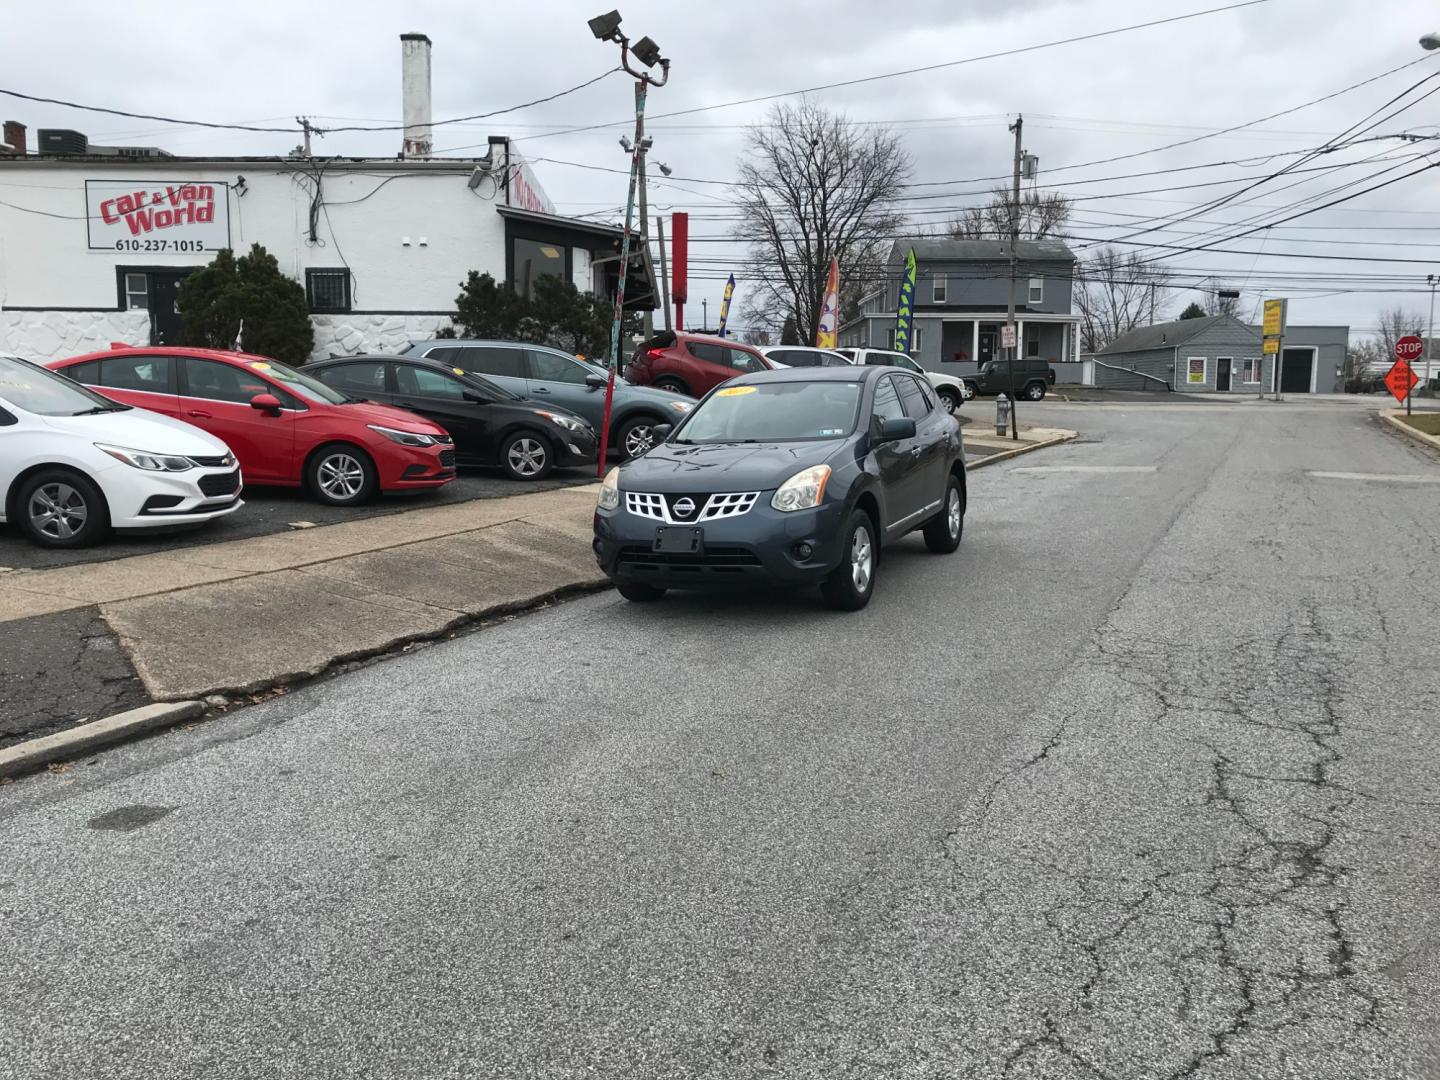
x,y
266,403
895,429
471,395
662,431
595,382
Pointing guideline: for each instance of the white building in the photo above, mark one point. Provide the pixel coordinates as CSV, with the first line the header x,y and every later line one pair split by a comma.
x,y
93,246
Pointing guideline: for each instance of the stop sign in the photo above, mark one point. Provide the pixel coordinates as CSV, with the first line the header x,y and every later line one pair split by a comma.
x,y
1409,348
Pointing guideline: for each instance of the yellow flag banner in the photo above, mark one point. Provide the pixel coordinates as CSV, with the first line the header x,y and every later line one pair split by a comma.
x,y
827,334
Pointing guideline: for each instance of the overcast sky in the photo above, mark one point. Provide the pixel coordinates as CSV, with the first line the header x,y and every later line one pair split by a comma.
x,y
269,60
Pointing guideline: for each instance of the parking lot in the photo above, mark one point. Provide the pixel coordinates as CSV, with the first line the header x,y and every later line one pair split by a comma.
x,y
273,510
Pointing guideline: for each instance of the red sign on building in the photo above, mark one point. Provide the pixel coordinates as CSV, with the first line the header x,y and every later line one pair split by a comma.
x,y
1400,379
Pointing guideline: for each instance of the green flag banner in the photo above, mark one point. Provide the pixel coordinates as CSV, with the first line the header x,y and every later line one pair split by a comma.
x,y
903,310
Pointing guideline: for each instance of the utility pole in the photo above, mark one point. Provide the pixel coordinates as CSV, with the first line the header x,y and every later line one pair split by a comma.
x,y
307,128
1013,351
648,319
704,316
664,269
1432,281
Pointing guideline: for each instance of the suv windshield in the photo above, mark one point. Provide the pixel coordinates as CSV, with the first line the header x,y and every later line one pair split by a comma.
x,y
42,392
774,412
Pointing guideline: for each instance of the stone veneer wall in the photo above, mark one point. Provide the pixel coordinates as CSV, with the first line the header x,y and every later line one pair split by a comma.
x,y
347,335
53,335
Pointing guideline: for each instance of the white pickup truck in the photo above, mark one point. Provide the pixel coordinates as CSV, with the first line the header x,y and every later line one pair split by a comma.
x,y
950,390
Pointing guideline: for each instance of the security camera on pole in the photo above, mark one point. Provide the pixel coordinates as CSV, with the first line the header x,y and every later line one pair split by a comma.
x,y
607,28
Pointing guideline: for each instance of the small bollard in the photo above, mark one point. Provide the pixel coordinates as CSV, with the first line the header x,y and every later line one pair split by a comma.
x,y
1002,415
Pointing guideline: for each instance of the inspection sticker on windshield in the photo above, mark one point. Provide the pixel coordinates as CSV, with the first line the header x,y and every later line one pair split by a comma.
x,y
734,391
259,365
458,370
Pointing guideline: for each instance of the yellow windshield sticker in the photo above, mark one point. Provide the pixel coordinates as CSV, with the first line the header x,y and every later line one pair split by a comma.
x,y
458,370
259,365
734,391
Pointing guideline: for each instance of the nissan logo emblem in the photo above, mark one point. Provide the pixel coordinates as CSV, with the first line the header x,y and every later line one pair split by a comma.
x,y
684,508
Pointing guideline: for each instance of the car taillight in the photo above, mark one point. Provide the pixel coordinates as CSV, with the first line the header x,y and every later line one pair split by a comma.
x,y
654,354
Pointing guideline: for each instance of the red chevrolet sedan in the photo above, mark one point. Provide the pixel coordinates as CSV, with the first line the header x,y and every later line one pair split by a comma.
x,y
286,428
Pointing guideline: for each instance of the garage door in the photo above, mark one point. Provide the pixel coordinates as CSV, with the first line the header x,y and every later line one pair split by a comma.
x,y
1295,371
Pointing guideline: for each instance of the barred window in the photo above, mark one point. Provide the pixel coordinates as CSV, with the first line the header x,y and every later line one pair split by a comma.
x,y
328,290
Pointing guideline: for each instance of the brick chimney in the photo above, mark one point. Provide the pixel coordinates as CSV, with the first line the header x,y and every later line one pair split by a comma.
x,y
415,94
15,136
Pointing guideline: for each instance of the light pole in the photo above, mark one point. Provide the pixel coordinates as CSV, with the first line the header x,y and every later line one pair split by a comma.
x,y
607,28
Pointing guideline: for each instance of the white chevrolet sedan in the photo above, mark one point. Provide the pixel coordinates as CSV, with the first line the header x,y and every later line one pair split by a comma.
x,y
74,465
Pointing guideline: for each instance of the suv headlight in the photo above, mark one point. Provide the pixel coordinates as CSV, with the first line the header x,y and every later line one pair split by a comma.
x,y
569,423
610,490
682,406
404,438
802,491
140,459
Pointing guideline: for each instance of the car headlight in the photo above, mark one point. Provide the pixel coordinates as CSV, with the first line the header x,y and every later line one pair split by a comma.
x,y
610,490
569,423
140,459
682,406
404,438
802,491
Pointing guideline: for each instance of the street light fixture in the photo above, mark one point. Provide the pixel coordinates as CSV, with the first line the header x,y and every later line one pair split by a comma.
x,y
1430,41
607,28
665,169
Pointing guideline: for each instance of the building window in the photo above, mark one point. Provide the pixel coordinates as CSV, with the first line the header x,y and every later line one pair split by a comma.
x,y
328,290
137,292
939,294
535,259
916,337
1251,371
1037,290
1032,341
1195,370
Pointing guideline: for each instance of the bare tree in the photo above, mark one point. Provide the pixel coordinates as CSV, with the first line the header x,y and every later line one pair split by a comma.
x,y
1116,292
1042,214
1365,365
1395,323
1225,305
756,335
813,188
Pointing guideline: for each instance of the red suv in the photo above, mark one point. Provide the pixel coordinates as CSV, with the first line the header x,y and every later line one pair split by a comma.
x,y
286,428
691,363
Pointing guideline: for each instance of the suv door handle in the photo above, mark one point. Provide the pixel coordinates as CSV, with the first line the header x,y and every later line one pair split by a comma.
x,y
540,390
915,450
199,414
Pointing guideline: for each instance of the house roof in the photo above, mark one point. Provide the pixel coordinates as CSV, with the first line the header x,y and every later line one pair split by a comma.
x,y
981,250
1168,335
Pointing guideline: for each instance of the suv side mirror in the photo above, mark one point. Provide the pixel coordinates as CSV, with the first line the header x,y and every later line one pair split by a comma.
x,y
595,382
895,429
266,403
662,431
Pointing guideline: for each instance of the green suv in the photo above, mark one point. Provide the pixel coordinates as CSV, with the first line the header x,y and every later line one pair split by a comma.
x,y
1032,378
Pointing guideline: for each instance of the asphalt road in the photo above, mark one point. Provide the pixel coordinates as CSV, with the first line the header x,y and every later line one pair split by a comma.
x,y
1138,784
272,510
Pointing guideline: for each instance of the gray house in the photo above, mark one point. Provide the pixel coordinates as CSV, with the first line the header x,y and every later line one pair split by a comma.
x,y
961,291
1221,354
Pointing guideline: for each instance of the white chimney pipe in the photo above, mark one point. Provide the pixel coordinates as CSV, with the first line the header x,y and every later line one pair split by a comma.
x,y
415,94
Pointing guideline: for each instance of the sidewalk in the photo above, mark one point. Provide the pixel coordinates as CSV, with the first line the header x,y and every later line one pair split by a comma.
x,y
238,616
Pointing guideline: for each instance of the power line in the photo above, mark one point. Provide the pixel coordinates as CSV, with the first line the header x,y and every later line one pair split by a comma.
x,y
914,71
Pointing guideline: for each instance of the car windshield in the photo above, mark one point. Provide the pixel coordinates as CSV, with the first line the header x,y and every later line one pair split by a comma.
x,y
42,392
906,362
311,389
774,412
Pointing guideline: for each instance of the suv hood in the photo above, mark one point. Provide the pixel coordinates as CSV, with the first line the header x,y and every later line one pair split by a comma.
x,y
674,467
140,429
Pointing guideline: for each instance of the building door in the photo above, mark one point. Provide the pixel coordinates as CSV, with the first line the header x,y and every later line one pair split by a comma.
x,y
1296,376
987,345
165,322
1222,373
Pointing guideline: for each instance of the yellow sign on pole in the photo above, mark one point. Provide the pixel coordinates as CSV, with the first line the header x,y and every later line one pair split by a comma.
x,y
1274,324
1272,346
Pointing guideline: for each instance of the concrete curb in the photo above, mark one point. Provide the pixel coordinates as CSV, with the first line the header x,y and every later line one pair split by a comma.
x,y
1392,417
35,753
1027,448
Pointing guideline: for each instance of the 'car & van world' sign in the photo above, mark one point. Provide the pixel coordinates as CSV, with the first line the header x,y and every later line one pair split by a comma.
x,y
157,215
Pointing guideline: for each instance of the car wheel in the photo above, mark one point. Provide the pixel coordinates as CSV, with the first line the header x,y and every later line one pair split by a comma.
x,y
62,509
638,593
849,586
636,436
527,456
970,391
943,531
342,475
675,386
1035,391
949,399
